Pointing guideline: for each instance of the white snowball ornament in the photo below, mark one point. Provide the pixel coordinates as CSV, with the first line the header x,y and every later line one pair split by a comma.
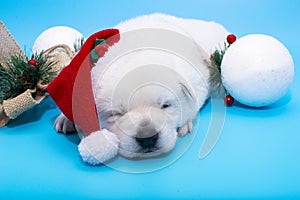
x,y
55,36
257,70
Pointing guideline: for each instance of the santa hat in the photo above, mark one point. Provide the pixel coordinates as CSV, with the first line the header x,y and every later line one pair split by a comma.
x,y
72,92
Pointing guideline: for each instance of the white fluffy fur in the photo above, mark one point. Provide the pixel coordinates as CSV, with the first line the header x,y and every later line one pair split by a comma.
x,y
133,88
93,153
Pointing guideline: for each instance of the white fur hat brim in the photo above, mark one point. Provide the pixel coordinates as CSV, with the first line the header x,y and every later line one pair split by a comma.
x,y
99,147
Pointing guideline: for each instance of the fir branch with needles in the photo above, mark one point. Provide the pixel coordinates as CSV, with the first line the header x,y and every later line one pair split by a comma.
x,y
216,85
78,44
18,75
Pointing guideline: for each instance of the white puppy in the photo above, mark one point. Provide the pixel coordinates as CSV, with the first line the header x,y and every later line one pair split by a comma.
x,y
150,85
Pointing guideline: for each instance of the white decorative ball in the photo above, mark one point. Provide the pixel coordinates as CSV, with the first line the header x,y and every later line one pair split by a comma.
x,y
257,70
54,36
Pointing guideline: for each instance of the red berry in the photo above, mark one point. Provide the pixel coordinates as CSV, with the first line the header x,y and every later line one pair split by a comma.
x,y
101,49
104,46
228,100
33,62
231,38
112,40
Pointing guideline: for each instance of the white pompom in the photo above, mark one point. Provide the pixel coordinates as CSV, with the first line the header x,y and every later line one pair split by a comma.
x,y
257,70
98,147
55,36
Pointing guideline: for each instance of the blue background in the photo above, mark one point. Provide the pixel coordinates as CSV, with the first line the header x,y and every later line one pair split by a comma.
x,y
257,155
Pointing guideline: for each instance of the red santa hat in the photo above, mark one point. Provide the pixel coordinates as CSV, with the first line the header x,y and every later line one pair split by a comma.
x,y
72,92
72,87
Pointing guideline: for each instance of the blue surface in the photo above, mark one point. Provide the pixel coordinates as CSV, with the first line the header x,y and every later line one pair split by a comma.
x,y
257,155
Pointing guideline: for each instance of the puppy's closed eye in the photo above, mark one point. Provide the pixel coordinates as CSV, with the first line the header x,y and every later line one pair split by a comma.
x,y
112,116
166,105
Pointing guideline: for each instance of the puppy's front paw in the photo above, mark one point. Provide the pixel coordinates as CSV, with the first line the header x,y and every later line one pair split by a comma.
x,y
63,125
185,129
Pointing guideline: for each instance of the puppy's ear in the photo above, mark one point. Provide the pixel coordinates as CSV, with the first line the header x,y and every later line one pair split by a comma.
x,y
187,92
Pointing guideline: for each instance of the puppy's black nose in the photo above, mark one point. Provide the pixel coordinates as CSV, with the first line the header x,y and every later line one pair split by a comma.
x,y
148,141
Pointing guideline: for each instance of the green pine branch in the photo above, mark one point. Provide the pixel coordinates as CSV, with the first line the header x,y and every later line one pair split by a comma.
x,y
45,72
10,84
217,88
218,56
18,75
78,44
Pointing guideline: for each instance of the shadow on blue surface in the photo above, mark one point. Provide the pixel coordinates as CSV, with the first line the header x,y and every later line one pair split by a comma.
x,y
281,102
34,114
73,138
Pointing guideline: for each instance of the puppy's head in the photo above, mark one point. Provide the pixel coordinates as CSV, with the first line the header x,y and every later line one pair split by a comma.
x,y
145,110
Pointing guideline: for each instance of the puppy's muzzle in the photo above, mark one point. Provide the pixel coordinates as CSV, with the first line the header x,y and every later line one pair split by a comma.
x,y
147,142
147,135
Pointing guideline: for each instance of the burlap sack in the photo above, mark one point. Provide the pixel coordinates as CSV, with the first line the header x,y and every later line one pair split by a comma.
x,y
8,46
3,117
61,55
12,108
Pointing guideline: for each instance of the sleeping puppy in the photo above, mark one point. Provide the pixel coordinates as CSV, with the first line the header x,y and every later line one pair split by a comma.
x,y
150,85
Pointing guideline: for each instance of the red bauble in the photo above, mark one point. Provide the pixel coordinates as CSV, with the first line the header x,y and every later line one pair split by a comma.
x,y
33,62
228,100
231,38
